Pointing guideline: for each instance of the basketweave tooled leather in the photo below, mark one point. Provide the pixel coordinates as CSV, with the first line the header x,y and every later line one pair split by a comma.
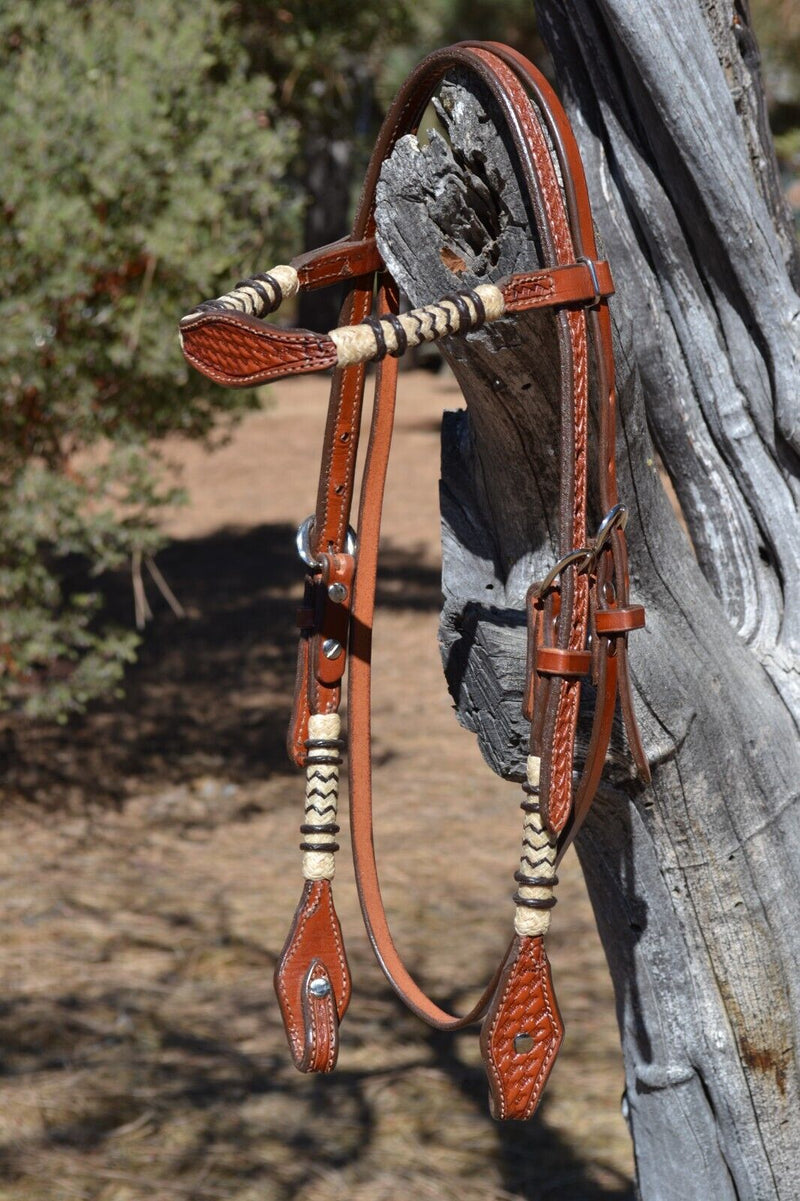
x,y
241,353
587,592
527,1001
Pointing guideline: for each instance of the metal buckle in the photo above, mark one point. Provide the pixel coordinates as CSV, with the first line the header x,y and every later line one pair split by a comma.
x,y
303,542
585,557
615,518
581,557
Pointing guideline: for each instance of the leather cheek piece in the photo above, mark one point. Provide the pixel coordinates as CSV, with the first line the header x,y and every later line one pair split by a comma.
x,y
534,609
619,621
559,725
329,671
297,732
322,622
331,638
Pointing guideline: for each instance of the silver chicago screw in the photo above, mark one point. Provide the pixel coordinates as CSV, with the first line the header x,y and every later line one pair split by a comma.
x,y
320,987
331,649
337,592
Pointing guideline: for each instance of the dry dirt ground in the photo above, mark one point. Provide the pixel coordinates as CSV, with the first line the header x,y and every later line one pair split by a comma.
x,y
149,872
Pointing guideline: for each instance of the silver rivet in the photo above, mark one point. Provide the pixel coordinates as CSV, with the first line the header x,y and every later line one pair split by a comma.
x,y
337,593
320,987
331,649
523,1043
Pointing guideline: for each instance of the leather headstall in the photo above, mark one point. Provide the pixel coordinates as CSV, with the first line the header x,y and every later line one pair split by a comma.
x,y
579,616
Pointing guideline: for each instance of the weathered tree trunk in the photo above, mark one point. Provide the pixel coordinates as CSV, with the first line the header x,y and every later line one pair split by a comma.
x,y
694,880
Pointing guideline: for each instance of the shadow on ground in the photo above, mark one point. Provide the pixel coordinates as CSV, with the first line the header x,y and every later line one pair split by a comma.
x,y
142,1052
170,1103
209,689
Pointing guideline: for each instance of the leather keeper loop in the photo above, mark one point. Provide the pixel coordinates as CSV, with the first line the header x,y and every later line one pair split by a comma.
x,y
619,621
553,661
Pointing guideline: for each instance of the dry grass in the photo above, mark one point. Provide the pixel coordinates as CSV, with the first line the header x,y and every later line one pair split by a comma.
x,y
149,872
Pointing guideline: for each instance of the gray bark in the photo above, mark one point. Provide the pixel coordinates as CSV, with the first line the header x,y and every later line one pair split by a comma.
x,y
694,880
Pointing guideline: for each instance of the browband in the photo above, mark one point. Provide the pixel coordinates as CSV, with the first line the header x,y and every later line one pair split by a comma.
x,y
578,616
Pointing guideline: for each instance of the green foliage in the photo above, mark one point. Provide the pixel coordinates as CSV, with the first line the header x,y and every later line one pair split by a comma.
x,y
337,65
441,22
144,168
326,57
141,171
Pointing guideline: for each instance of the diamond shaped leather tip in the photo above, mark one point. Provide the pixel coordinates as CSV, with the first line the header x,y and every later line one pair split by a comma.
x,y
522,1031
312,980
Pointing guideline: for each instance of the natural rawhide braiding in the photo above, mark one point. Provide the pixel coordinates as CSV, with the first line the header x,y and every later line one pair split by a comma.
x,y
536,876
373,338
395,334
322,796
579,615
258,296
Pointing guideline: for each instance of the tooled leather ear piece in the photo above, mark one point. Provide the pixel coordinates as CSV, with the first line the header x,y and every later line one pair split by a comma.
x,y
229,340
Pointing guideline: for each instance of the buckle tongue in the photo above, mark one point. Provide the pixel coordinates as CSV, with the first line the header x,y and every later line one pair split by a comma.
x,y
584,557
